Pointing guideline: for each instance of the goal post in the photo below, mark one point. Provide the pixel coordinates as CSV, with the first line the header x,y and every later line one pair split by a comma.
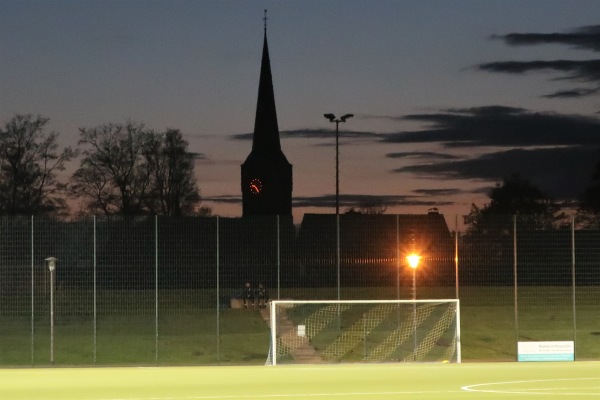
x,y
364,331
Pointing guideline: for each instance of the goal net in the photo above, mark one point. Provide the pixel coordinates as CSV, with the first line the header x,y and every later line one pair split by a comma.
x,y
367,331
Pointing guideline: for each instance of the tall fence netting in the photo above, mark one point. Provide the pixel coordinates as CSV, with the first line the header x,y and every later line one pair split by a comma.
x,y
165,290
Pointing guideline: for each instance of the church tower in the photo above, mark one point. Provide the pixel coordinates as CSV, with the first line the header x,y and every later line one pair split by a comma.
x,y
266,173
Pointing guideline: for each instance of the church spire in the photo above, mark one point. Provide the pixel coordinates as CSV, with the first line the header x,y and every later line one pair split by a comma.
x,y
266,173
266,129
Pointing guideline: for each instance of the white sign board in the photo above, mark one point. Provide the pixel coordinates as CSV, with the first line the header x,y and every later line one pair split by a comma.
x,y
301,330
546,351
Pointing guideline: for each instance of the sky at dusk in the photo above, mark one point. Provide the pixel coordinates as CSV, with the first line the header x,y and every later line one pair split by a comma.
x,y
449,96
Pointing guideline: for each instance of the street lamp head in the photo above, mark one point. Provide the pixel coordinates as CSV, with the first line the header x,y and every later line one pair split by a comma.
x,y
345,117
330,117
51,263
413,260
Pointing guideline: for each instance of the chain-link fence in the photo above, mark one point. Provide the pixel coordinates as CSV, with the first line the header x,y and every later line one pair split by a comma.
x,y
164,290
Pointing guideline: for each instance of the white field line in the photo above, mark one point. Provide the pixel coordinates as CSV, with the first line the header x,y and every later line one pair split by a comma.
x,y
283,396
542,390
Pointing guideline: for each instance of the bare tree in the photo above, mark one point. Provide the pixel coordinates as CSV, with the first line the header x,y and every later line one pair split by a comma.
x,y
113,176
129,170
371,205
171,166
29,162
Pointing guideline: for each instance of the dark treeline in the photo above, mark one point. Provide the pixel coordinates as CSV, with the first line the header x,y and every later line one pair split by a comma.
x,y
124,169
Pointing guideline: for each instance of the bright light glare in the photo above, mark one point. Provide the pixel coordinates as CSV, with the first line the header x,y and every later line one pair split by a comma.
x,y
413,260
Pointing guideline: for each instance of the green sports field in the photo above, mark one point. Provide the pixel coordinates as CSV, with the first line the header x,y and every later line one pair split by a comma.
x,y
569,380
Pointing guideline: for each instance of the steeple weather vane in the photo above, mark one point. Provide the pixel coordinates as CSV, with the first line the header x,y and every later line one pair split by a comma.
x,y
265,19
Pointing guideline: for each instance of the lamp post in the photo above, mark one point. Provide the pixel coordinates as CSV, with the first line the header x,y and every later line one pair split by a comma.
x,y
51,263
413,262
332,118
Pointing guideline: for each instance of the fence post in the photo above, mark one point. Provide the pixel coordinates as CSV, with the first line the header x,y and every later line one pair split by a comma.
x,y
95,294
156,289
398,263
516,284
218,293
278,260
337,256
573,283
456,284
32,296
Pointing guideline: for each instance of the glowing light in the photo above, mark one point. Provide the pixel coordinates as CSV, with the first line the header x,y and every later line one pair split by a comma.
x,y
413,260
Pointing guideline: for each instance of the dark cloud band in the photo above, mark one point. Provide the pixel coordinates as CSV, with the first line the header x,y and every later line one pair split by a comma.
x,y
587,37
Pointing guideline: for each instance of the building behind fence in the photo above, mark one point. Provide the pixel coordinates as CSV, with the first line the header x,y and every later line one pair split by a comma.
x,y
161,289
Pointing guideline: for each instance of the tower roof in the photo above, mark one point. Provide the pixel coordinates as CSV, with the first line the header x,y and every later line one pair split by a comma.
x,y
266,129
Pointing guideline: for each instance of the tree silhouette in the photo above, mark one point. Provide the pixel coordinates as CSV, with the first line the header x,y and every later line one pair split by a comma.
x,y
515,196
372,206
113,177
29,162
129,170
589,210
173,189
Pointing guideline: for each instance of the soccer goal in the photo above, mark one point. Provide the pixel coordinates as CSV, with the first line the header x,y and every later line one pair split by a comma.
x,y
364,331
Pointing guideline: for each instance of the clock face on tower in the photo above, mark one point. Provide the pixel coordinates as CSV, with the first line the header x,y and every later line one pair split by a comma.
x,y
256,186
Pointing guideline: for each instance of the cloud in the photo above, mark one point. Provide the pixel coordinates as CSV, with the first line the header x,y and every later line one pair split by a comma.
x,y
587,38
223,199
557,152
328,134
580,70
485,190
241,136
379,117
562,172
314,134
356,200
327,202
421,155
579,92
438,192
500,126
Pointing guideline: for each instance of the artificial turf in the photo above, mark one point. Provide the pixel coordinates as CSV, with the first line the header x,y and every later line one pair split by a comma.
x,y
477,381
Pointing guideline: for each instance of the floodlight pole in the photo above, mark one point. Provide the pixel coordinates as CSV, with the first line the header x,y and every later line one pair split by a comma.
x,y
398,259
413,261
414,273
51,263
332,118
414,285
